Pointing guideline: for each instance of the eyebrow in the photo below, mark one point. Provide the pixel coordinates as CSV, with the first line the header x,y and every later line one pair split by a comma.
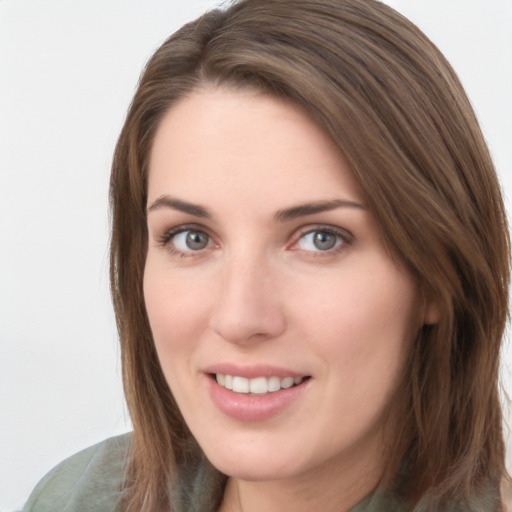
x,y
316,207
284,215
182,206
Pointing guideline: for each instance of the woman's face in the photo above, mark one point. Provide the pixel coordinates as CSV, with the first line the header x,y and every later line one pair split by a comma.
x,y
266,273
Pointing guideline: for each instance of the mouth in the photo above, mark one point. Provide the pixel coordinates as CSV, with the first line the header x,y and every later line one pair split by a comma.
x,y
255,393
257,385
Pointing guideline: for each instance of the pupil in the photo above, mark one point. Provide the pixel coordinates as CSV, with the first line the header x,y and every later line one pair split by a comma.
x,y
324,241
196,241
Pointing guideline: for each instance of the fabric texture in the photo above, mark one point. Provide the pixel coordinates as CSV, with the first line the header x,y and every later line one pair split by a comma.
x,y
92,481
89,481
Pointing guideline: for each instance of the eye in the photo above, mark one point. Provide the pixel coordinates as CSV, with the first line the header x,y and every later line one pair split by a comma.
x,y
186,240
321,240
191,240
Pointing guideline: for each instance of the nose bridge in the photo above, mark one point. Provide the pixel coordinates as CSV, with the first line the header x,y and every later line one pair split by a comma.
x,y
248,303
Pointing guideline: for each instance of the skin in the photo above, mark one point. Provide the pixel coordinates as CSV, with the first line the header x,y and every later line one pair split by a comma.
x,y
260,292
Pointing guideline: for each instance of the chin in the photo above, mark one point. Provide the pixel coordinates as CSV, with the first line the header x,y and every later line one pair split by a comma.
x,y
266,460
253,470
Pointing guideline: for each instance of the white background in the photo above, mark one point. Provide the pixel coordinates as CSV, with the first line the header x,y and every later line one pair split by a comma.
x,y
67,73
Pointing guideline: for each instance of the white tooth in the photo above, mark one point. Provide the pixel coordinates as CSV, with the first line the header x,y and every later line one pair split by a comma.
x,y
258,385
298,380
287,382
228,381
220,379
240,384
274,384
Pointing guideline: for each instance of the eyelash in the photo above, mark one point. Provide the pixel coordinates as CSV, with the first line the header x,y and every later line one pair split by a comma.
x,y
166,238
346,239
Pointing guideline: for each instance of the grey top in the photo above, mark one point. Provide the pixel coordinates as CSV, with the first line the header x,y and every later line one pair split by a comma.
x,y
91,481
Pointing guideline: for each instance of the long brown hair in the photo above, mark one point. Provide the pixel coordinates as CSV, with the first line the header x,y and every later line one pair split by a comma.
x,y
394,106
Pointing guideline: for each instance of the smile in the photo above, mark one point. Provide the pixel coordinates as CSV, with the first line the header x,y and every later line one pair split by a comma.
x,y
258,385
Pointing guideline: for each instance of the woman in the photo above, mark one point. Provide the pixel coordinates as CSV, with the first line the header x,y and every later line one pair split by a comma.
x,y
310,269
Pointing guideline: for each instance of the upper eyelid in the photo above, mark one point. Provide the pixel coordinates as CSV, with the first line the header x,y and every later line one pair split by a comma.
x,y
184,227
165,235
344,233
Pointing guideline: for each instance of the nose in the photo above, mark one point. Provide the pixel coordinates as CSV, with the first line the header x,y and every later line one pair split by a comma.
x,y
248,306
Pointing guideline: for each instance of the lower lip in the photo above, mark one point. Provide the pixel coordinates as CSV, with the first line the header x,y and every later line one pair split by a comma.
x,y
252,408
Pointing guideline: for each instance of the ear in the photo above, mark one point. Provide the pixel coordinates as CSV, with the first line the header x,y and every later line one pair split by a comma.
x,y
431,310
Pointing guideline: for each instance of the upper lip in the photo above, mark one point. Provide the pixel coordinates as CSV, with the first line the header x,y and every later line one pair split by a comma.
x,y
252,371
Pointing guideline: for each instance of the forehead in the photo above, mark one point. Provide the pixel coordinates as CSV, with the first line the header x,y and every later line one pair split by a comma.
x,y
217,141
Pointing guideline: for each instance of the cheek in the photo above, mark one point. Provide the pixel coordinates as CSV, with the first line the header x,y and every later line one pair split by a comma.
x,y
367,333
173,311
176,309
363,319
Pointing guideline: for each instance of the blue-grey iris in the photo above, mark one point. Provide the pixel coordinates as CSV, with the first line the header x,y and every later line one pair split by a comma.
x,y
196,241
324,241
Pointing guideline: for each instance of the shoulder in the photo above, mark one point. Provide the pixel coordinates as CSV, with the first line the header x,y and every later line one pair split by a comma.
x,y
90,480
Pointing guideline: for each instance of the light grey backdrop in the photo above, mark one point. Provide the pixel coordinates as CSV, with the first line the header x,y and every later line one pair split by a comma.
x,y
67,73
